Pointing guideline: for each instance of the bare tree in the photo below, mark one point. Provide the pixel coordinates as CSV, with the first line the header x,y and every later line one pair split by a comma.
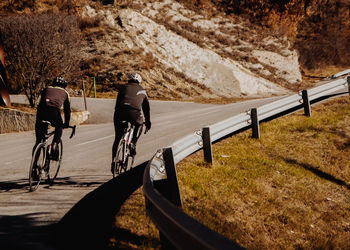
x,y
40,47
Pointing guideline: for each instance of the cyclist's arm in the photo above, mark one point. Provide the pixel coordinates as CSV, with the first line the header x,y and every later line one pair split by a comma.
x,y
146,112
67,111
42,97
120,96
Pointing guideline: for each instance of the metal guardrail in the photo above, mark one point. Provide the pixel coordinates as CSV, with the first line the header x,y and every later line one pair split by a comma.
x,y
160,187
345,72
180,230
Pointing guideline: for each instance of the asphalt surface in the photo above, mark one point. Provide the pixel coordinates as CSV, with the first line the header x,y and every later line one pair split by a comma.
x,y
26,216
84,197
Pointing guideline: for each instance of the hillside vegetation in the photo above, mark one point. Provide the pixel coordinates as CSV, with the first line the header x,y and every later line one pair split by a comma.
x,y
205,50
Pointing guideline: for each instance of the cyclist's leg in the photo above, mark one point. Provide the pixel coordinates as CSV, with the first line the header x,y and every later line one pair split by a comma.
x,y
137,121
57,122
118,131
40,131
56,142
54,164
135,136
137,133
58,134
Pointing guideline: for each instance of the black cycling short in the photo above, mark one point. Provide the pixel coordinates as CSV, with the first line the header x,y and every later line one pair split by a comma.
x,y
51,114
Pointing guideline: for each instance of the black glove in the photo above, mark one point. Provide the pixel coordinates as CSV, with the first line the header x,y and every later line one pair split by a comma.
x,y
148,125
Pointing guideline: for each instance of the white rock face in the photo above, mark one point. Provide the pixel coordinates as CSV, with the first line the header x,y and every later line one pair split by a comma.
x,y
286,65
107,16
231,59
89,12
223,76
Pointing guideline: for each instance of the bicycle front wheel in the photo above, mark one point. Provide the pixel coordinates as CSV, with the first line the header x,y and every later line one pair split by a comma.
x,y
55,164
120,160
36,167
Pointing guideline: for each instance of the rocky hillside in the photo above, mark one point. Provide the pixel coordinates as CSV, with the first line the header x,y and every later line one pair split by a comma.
x,y
195,50
319,30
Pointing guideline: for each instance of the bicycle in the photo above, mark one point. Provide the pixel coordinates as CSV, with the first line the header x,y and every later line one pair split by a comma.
x,y
123,159
42,163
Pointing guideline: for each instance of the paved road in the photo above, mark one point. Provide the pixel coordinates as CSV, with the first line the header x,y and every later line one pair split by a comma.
x,y
86,162
87,158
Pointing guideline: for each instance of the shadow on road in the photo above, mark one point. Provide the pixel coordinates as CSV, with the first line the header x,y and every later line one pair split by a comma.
x,y
77,181
20,184
22,232
89,223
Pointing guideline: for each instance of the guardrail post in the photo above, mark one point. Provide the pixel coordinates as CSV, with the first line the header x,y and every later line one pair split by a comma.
x,y
172,191
94,82
169,188
207,147
348,80
306,102
255,123
84,96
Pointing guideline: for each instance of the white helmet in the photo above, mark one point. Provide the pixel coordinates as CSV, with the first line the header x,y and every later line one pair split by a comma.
x,y
134,77
59,81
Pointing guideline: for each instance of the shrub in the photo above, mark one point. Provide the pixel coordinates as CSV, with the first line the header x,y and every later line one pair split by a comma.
x,y
40,47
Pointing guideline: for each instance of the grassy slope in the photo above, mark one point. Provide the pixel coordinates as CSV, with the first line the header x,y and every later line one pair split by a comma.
x,y
288,190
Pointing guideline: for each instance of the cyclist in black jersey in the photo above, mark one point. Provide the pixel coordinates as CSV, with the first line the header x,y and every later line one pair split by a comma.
x,y
49,109
132,105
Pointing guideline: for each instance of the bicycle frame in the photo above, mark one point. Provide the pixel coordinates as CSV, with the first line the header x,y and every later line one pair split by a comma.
x,y
48,135
128,135
47,146
122,161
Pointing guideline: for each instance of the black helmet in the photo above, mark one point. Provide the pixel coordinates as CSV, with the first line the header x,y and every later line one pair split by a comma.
x,y
59,81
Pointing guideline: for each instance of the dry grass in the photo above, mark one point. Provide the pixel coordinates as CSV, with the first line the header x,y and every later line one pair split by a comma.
x,y
288,190
133,229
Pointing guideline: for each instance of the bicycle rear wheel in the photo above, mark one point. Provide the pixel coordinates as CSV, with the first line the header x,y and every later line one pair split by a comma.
x,y
36,167
120,160
54,165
